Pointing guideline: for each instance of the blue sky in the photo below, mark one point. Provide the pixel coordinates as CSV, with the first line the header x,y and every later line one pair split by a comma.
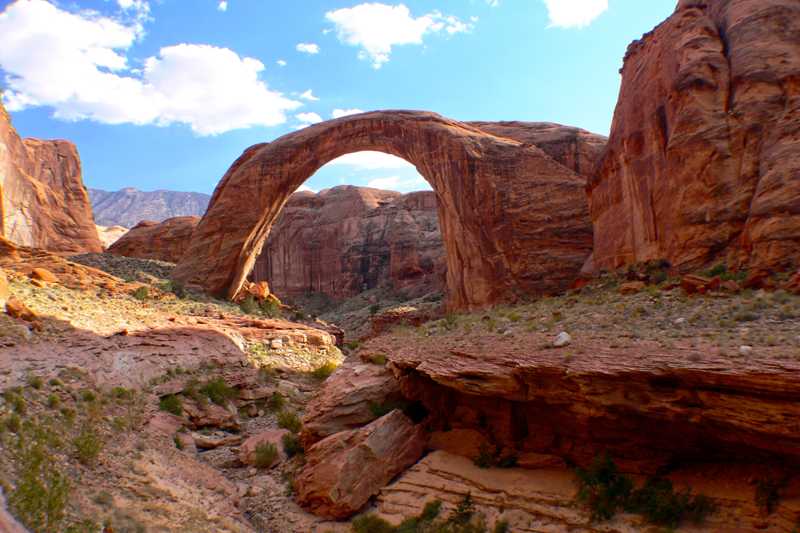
x,y
165,94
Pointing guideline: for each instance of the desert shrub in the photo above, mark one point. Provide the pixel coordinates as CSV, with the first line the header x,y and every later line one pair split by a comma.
x,y
603,489
276,401
88,395
658,502
41,493
289,420
265,455
178,442
53,401
324,372
121,393
270,308
291,445
171,404
488,458
12,423
141,293
249,306
35,381
218,391
88,444
352,345
369,523
502,526
378,359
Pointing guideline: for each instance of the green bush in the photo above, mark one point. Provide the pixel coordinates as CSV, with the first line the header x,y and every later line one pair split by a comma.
x,y
289,420
324,372
502,526
36,382
277,401
88,445
270,308
171,404
40,496
249,305
218,391
141,293
291,445
488,458
369,523
603,489
265,455
53,401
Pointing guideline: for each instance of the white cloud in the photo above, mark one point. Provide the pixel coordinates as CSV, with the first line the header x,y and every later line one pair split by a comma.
x,y
211,89
222,6
308,48
371,161
339,113
281,63
396,183
574,13
308,118
376,28
309,95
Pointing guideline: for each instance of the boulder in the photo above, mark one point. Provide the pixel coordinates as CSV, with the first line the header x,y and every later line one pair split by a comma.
x,y
43,202
42,274
247,451
514,220
17,309
703,162
632,287
343,471
165,241
347,400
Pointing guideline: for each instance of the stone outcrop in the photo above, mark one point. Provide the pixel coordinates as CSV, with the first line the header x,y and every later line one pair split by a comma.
x,y
703,162
347,399
348,239
127,207
513,219
165,241
43,203
110,234
530,400
343,471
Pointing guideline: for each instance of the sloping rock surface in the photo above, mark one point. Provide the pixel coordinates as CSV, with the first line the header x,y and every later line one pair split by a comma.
x,y
165,241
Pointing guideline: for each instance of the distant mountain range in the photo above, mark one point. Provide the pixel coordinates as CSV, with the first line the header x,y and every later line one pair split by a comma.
x,y
130,206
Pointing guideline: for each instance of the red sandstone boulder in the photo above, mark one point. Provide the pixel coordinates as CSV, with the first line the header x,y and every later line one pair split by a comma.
x,y
343,471
632,287
247,451
347,399
43,202
165,241
693,284
703,161
42,274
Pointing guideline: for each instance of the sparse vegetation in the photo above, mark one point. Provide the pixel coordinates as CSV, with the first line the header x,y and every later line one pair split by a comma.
x,y
291,445
141,293
605,491
324,372
88,445
218,391
289,420
463,519
488,458
276,402
265,455
171,404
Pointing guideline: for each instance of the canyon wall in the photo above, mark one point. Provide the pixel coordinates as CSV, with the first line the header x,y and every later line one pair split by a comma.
x,y
348,239
703,161
43,203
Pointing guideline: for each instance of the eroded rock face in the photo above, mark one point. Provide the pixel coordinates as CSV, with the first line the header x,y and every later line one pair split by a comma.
x,y
165,241
514,220
43,203
703,162
348,239
343,471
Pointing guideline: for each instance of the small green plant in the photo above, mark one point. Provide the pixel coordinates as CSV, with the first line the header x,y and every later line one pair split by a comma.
x,y
369,523
488,458
36,382
289,420
603,489
12,423
658,502
218,391
141,293
378,359
53,401
276,402
171,404
291,445
88,444
352,345
41,492
121,393
502,526
88,395
178,442
266,454
270,308
324,372
249,305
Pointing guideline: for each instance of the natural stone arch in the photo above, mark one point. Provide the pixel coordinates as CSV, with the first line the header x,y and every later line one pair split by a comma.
x,y
514,220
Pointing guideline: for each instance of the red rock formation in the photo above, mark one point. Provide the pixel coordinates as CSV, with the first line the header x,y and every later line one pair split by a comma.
x,y
703,162
343,471
513,219
348,239
165,241
43,202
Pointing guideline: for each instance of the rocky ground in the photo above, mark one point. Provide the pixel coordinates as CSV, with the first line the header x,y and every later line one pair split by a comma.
x,y
139,406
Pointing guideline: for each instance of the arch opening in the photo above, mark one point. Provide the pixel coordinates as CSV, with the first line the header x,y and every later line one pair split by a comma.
x,y
514,220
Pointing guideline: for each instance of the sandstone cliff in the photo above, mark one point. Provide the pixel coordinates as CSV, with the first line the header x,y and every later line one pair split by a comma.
x,y
165,241
43,202
703,162
129,206
348,239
